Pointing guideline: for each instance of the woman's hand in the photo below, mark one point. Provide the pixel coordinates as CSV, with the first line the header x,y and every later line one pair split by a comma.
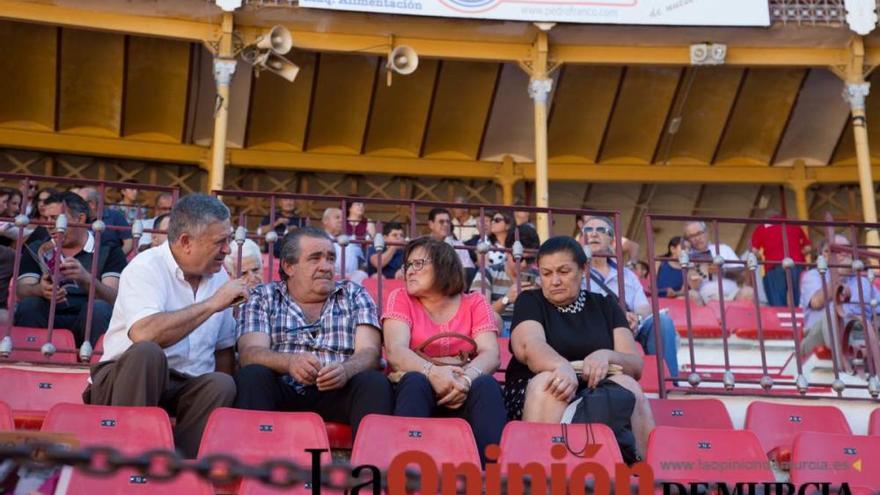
x,y
449,385
563,382
596,367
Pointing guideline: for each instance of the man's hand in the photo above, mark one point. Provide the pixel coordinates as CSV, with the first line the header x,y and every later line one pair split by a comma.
x,y
563,382
633,320
595,367
72,269
304,367
332,377
46,289
694,280
231,292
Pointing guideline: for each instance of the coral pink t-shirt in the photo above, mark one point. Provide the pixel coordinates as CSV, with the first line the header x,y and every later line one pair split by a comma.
x,y
474,316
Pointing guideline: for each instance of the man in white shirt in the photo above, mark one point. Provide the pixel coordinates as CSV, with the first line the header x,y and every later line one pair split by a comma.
x,y
354,253
464,225
440,223
164,202
172,331
703,277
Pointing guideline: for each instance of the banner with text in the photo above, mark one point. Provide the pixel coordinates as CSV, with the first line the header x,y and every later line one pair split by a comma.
x,y
644,12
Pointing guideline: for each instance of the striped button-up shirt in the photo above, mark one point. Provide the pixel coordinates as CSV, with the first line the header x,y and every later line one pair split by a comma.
x,y
271,310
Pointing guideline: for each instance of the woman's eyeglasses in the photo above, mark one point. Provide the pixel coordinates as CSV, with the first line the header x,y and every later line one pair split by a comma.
x,y
416,265
598,230
498,220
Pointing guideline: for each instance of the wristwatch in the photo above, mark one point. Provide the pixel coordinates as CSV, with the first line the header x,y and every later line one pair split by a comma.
x,y
505,300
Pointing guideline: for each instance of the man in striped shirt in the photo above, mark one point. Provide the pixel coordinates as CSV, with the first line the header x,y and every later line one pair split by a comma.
x,y
309,343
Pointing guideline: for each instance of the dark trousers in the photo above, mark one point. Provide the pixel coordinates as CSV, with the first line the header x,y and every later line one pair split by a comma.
x,y
483,409
776,287
140,377
34,312
367,392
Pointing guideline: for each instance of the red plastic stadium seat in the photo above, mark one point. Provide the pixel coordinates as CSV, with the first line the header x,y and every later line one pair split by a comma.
x,y
339,435
874,423
131,430
6,421
703,320
267,276
522,443
31,393
380,438
257,436
34,338
388,285
696,413
689,455
98,351
836,458
776,425
649,381
773,321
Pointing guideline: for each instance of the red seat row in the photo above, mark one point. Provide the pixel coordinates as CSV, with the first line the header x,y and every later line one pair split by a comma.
x,y
740,318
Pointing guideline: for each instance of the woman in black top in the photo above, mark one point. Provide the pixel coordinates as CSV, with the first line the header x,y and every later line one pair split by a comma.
x,y
560,323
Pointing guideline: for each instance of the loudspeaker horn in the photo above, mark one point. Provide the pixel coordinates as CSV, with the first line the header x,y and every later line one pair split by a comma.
x,y
278,40
403,60
278,65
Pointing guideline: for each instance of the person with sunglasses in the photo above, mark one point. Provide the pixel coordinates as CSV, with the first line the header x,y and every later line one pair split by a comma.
x,y
309,343
703,276
498,282
443,375
499,232
598,234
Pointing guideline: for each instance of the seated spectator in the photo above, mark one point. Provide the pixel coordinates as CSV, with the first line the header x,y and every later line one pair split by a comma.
x,y
10,207
72,290
354,253
767,241
629,247
164,202
439,224
816,329
642,271
357,224
120,238
499,285
171,337
391,260
38,213
499,231
598,232
161,224
473,241
703,274
561,323
307,343
464,225
670,281
523,217
286,219
128,204
436,382
251,263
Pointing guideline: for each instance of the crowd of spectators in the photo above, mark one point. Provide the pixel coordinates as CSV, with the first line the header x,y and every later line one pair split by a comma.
x,y
190,324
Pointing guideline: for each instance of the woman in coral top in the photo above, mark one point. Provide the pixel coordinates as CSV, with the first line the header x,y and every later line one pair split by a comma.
x,y
433,384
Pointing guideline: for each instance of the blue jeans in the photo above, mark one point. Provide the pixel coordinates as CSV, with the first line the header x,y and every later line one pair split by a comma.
x,y
645,337
776,287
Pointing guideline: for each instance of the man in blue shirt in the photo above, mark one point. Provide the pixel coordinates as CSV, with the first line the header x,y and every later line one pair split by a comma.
x,y
598,234
110,238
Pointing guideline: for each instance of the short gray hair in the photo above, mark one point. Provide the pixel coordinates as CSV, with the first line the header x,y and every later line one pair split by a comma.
x,y
699,223
249,249
290,245
193,213
607,221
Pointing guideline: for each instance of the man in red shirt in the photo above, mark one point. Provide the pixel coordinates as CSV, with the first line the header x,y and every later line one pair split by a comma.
x,y
768,239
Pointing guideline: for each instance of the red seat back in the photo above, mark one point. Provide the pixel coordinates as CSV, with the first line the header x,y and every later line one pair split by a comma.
x,y
34,338
696,413
650,380
691,454
31,393
874,423
388,285
522,443
836,458
777,425
381,438
703,320
6,421
131,430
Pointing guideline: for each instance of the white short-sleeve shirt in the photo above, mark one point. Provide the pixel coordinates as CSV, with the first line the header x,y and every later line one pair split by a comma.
x,y
153,283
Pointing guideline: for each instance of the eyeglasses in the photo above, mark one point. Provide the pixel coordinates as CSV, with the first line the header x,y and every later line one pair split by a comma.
x,y
498,220
598,230
695,234
416,265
